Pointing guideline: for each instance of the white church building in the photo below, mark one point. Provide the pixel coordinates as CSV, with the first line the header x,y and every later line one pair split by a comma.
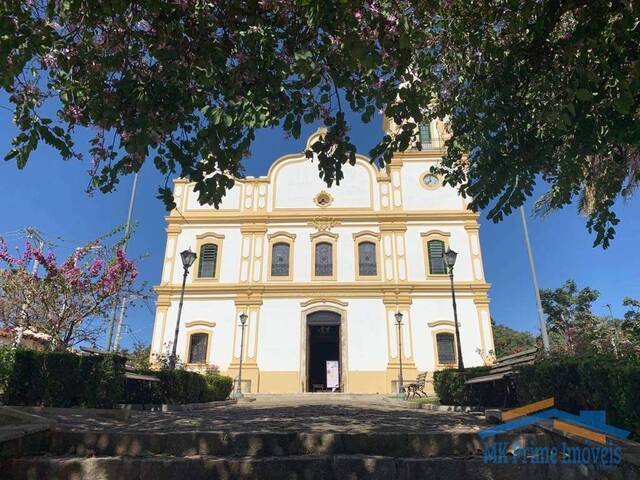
x,y
321,273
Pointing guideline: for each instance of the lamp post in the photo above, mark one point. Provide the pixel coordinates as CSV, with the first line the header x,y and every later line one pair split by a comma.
x,y
243,322
398,316
450,260
188,257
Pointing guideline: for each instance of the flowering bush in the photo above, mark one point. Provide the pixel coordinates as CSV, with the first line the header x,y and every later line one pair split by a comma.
x,y
65,301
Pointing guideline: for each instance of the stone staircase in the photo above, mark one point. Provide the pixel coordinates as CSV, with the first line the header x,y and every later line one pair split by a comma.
x,y
111,455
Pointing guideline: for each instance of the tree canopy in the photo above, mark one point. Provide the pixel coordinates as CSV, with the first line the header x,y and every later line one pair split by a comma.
x,y
575,329
506,340
530,90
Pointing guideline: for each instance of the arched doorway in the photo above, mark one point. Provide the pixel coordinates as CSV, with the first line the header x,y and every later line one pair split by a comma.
x,y
324,368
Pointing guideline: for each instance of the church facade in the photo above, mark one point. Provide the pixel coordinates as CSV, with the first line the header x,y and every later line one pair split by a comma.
x,y
321,273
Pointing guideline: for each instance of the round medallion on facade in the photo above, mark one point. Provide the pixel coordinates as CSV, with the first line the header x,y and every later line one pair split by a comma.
x,y
323,199
430,181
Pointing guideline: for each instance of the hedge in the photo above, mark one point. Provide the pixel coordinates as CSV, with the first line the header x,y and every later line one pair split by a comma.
x,y
451,390
64,379
178,386
586,383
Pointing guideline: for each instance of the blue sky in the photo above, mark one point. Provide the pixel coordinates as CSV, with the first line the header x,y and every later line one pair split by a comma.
x,y
50,195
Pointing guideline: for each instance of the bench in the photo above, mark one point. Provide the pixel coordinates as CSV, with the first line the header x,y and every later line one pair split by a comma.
x,y
417,388
505,368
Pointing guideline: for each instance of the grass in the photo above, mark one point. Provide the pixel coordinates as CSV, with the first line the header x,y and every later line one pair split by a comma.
x,y
429,400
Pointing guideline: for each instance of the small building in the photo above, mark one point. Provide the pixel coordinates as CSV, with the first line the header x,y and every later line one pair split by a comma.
x,y
28,339
321,272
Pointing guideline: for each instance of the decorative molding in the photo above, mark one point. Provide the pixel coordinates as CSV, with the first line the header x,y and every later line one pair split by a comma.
x,y
210,235
253,228
393,226
432,233
443,323
174,229
323,199
274,235
322,234
324,224
323,301
200,323
311,216
366,233
319,289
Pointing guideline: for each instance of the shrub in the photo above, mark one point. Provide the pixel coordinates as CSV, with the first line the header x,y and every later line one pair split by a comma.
x,y
450,388
64,379
103,379
26,382
598,382
218,386
7,361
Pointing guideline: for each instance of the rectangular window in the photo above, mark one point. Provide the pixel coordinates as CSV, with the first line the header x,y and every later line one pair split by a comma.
x,y
446,348
208,259
367,259
280,260
425,135
436,257
324,260
198,348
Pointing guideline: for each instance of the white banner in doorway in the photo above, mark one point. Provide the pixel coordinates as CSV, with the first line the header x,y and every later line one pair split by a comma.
x,y
333,374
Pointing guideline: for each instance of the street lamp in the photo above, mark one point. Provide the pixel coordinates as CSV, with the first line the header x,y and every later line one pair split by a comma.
x,y
398,316
243,322
450,260
188,257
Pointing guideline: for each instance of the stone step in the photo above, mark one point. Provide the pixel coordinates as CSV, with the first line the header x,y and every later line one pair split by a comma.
x,y
305,467
267,444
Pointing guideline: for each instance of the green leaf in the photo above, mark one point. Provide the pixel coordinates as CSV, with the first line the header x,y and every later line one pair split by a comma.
x,y
583,95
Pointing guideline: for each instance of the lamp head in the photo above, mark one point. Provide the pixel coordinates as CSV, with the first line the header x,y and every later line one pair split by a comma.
x,y
398,316
243,318
450,258
188,257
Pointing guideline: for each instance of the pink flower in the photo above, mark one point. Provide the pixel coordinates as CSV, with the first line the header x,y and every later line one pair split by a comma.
x,y
49,60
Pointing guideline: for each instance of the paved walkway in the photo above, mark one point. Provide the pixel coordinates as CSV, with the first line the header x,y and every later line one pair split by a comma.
x,y
296,413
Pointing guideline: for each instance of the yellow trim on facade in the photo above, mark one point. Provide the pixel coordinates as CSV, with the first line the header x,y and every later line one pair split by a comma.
x,y
342,289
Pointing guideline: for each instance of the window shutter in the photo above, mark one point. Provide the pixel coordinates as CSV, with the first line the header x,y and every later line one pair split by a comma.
x,y
436,257
208,259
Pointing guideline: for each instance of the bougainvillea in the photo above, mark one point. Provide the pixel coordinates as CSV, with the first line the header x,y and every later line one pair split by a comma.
x,y
67,301
528,88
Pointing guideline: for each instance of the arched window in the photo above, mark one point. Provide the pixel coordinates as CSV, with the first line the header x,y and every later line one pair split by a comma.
x,y
425,135
198,343
446,348
436,257
280,259
208,259
367,259
324,259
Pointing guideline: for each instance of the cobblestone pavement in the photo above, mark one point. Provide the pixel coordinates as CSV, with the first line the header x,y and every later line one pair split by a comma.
x,y
296,413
